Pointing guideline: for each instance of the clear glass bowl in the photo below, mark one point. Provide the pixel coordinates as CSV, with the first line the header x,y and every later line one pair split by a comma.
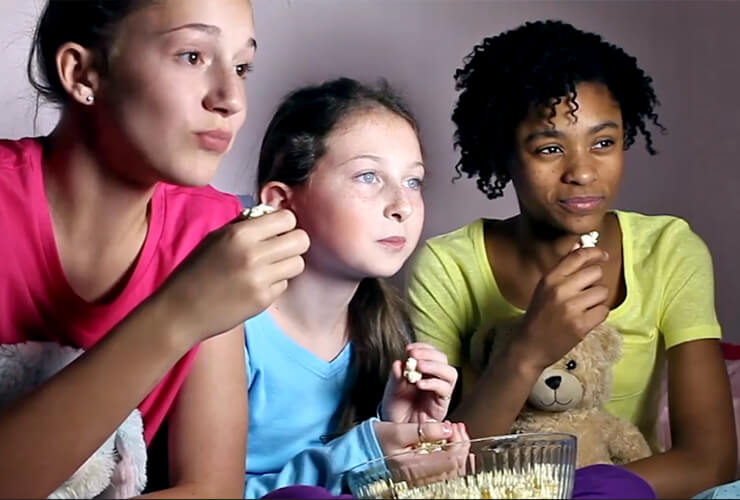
x,y
536,465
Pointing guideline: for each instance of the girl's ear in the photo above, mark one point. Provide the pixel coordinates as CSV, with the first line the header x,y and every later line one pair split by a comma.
x,y
276,194
77,72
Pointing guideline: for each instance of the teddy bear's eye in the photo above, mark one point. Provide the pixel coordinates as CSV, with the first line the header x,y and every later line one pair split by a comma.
x,y
571,365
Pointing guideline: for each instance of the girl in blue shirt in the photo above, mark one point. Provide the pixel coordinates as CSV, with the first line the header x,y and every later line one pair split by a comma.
x,y
328,355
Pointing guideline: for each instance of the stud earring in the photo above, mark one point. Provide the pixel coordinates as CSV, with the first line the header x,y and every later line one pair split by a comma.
x,y
90,99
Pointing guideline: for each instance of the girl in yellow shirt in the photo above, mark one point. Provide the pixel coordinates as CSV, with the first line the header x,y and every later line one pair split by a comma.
x,y
552,109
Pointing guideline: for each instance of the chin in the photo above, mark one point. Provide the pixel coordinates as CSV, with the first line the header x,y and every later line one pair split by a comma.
x,y
193,175
579,224
383,272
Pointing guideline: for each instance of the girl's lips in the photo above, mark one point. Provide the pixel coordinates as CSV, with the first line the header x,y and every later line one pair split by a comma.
x,y
394,242
582,203
214,140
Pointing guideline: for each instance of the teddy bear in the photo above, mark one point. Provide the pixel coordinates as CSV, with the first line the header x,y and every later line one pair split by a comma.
x,y
118,468
569,396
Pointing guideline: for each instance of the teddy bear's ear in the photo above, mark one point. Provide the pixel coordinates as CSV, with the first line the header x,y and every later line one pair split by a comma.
x,y
610,340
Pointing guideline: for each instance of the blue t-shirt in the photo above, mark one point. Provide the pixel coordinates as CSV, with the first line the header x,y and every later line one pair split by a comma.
x,y
295,400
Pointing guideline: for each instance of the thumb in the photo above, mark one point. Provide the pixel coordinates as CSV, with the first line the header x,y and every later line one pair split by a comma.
x,y
428,431
396,370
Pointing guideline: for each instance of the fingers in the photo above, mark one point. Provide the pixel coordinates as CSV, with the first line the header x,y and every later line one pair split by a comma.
x,y
285,269
461,451
587,299
431,361
438,378
279,247
265,227
578,259
440,388
463,431
459,432
397,369
438,369
422,350
431,431
394,437
593,317
581,279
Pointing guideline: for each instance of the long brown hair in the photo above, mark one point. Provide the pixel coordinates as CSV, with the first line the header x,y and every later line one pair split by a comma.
x,y
292,145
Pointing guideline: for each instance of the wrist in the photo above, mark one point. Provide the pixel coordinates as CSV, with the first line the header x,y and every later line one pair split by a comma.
x,y
519,359
165,322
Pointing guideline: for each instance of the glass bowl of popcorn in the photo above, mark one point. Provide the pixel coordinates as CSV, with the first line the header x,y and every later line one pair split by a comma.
x,y
535,465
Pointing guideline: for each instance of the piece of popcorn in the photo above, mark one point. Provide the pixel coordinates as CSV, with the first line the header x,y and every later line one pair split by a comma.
x,y
424,447
589,240
257,211
412,376
410,371
411,364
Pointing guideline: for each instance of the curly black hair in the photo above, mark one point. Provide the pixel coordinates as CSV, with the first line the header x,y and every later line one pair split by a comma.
x,y
535,66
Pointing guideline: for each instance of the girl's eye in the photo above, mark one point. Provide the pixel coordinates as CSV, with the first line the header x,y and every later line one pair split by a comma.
x,y
367,177
415,183
243,69
190,57
604,143
549,150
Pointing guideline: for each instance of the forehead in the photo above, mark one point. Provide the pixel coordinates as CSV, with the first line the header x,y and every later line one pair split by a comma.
x,y
593,102
368,123
372,134
228,20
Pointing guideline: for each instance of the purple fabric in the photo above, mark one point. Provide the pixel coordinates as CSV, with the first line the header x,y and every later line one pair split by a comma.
x,y
610,481
303,491
594,481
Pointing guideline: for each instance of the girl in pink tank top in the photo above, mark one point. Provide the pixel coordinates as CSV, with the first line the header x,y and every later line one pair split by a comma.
x,y
114,243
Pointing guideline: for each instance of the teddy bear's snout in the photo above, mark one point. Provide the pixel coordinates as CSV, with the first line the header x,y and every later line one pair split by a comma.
x,y
556,390
553,382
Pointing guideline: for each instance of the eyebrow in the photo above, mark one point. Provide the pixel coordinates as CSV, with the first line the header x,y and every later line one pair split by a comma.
x,y
210,30
557,134
376,159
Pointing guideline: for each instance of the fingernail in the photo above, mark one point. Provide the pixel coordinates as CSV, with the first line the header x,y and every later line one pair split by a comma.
x,y
447,428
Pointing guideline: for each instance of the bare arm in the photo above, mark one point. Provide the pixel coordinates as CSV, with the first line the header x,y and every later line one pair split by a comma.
x,y
234,273
498,395
208,424
704,452
566,305
42,432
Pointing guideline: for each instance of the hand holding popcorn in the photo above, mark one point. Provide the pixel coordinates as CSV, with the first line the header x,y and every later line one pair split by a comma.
x,y
419,389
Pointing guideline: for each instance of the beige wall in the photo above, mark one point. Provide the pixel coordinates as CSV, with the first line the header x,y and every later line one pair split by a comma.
x,y
689,47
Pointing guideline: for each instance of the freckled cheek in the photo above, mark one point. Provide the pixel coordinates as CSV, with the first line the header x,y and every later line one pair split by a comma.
x,y
329,215
352,218
416,221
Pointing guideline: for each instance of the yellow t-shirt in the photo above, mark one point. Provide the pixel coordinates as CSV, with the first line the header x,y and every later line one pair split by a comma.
x,y
455,301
